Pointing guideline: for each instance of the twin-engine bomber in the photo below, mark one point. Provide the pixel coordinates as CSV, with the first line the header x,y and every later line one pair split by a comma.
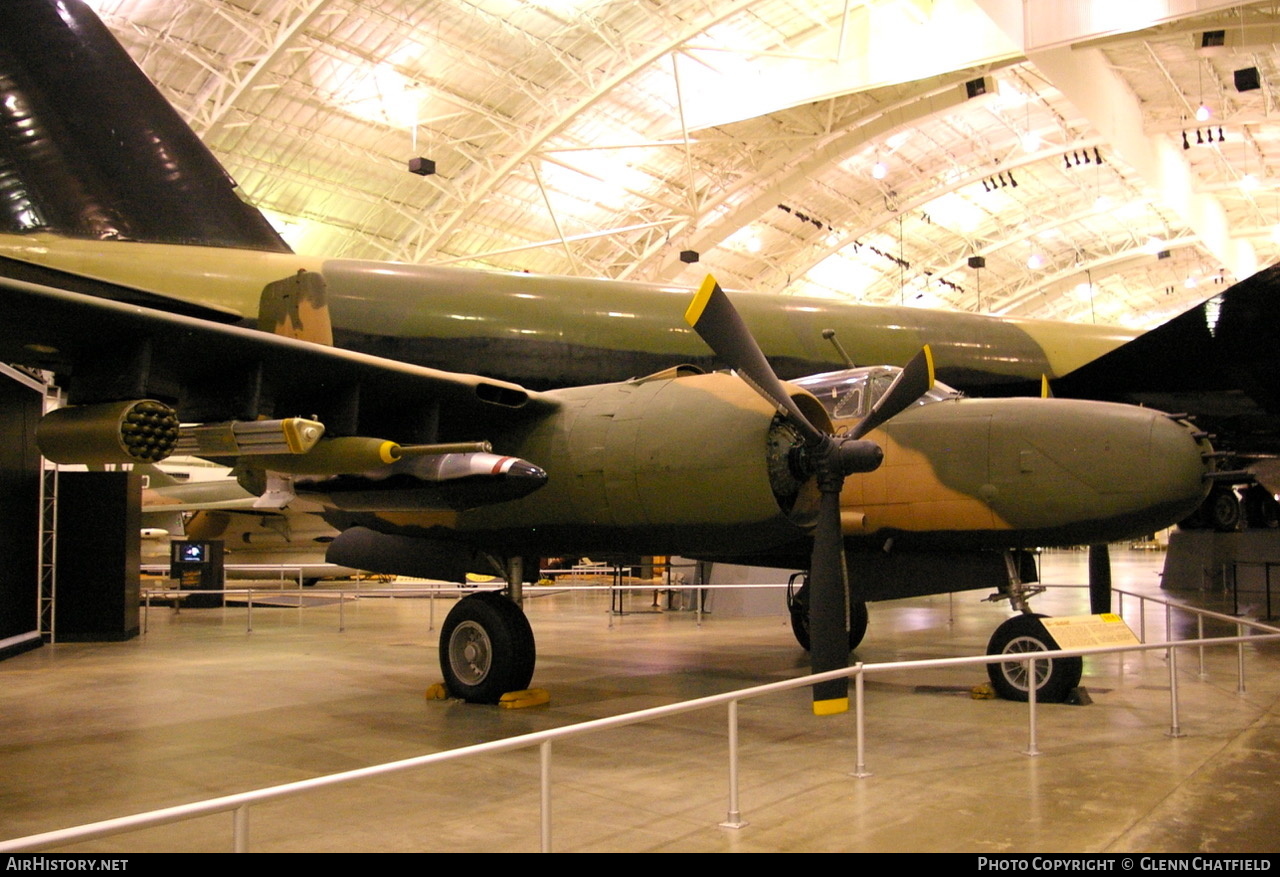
x,y
115,207
438,474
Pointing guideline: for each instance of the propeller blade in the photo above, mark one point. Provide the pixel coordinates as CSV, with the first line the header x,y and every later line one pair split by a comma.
x,y
829,607
718,323
911,383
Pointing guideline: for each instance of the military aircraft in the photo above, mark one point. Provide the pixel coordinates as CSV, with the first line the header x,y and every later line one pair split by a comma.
x,y
432,473
214,506
108,193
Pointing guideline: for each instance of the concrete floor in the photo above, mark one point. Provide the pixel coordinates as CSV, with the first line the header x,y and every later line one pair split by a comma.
x,y
198,708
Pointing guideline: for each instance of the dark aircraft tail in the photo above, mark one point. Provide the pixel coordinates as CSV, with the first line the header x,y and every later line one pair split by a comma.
x,y
1217,360
89,148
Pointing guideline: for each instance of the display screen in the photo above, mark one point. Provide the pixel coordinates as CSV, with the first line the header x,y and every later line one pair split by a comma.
x,y
190,552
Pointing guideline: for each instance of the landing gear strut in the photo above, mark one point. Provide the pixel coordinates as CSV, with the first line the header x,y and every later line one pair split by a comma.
x,y
1054,679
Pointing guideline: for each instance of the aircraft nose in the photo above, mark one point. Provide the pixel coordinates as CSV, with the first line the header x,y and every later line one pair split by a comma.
x,y
1179,459
1147,465
1143,453
1095,471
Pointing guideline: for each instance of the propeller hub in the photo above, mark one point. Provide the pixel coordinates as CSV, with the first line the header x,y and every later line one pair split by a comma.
x,y
858,455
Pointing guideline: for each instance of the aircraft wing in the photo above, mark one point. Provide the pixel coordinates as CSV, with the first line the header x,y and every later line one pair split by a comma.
x,y
1217,362
107,351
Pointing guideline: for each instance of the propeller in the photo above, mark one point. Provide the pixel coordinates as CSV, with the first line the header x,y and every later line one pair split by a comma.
x,y
828,459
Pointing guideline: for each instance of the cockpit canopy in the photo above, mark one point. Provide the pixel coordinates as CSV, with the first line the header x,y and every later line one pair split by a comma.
x,y
849,394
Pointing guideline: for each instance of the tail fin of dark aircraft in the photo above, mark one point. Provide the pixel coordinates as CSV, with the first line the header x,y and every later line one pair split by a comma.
x,y
1217,361
89,147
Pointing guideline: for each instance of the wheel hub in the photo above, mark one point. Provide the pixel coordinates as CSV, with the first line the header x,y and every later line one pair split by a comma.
x,y
1017,673
470,653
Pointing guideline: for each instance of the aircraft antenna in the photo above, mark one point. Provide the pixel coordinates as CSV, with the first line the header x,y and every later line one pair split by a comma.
x,y
830,335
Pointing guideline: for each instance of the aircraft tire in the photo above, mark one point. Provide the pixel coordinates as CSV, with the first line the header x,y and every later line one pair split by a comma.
x,y
1056,679
1261,511
486,648
1223,509
800,620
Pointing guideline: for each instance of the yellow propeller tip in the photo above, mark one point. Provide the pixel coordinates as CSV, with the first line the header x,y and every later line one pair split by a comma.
x,y
699,303
834,706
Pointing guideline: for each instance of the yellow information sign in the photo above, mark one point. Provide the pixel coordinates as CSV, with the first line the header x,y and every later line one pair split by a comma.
x,y
1090,631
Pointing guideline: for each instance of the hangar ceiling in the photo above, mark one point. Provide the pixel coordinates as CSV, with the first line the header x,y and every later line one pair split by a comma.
x,y
1113,172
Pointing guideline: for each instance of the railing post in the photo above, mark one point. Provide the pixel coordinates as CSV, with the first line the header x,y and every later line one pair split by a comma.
x,y
1240,661
248,601
240,829
1031,709
544,760
859,689
611,613
734,817
342,611
1174,729
1204,674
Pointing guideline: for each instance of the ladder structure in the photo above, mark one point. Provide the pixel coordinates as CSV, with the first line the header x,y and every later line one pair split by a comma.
x,y
47,535
48,558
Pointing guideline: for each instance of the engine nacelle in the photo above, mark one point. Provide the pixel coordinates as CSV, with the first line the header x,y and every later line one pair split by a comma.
x,y
675,462
134,431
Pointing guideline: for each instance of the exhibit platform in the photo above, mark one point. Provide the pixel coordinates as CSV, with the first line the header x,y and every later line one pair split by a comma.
x,y
198,707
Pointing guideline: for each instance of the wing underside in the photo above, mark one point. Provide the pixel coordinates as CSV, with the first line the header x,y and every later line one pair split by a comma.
x,y
104,351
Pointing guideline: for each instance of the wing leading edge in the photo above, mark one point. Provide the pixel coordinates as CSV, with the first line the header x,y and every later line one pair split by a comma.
x,y
108,351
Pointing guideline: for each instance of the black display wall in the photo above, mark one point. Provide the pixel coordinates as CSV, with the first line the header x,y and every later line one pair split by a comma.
x,y
19,517
99,547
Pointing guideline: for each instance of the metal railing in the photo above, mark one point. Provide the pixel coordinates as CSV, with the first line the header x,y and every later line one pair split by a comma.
x,y
342,595
274,570
1201,615
238,804
339,596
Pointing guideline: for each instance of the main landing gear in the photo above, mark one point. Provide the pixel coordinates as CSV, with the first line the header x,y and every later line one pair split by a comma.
x,y
486,648
798,606
1054,678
